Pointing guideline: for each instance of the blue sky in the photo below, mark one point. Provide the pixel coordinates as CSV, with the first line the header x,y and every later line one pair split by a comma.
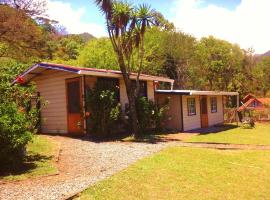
x,y
163,6
238,21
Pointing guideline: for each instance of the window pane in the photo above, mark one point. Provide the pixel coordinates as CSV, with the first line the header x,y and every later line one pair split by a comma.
x,y
213,104
191,106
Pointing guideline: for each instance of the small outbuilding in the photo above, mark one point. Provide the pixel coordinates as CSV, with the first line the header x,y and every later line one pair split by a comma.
x,y
192,109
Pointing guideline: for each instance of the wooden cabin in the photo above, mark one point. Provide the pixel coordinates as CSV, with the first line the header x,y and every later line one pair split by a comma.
x,y
64,88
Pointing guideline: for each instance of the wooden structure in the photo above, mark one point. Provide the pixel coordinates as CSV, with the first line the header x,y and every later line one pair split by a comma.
x,y
259,107
65,87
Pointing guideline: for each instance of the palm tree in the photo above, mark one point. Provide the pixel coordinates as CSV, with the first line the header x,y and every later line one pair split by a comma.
x,y
126,26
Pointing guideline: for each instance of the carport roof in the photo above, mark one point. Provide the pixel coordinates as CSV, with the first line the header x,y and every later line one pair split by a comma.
x,y
197,92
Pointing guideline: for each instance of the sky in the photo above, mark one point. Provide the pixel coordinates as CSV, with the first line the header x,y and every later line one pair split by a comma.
x,y
245,22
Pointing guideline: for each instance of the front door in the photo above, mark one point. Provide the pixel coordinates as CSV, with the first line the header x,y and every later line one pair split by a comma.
x,y
74,106
204,112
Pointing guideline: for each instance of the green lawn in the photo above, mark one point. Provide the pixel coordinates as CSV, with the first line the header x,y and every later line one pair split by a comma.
x,y
258,135
190,173
39,161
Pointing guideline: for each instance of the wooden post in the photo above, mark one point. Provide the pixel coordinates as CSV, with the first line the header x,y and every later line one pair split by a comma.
x,y
237,107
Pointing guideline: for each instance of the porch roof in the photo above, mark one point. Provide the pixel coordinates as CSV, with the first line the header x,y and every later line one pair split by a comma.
x,y
198,92
37,69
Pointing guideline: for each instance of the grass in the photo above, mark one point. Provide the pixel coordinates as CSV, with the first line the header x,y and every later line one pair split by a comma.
x,y
38,162
190,173
259,135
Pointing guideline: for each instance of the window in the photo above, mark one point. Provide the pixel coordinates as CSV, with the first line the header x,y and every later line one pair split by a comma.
x,y
191,103
213,104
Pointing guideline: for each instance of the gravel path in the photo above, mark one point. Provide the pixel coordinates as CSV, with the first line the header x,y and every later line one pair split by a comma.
x,y
81,163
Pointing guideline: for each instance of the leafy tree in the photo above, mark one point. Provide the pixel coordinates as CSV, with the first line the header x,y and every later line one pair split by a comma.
x,y
98,53
20,36
68,47
178,49
126,27
218,64
32,8
262,75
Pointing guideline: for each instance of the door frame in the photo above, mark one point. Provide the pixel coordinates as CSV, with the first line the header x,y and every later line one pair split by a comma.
x,y
206,104
68,80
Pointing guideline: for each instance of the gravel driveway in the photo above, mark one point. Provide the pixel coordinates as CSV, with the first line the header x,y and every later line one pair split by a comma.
x,y
81,163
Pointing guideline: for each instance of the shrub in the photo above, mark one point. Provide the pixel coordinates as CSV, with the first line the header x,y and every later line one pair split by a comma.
x,y
104,109
248,123
150,114
14,133
17,118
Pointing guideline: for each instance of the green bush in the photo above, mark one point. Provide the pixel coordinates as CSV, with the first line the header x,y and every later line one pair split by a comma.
x,y
150,115
17,118
104,109
14,133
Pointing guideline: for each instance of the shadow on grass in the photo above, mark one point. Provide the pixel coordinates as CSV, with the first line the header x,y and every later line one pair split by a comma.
x,y
151,137
28,164
213,129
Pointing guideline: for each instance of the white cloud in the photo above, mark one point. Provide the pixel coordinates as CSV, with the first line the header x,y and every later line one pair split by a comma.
x,y
247,25
72,18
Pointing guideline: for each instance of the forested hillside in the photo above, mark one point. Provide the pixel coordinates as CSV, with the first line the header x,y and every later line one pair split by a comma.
x,y
206,64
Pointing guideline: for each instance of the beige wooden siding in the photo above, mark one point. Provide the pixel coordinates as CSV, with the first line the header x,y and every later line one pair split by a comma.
x,y
215,118
194,121
51,86
173,115
150,91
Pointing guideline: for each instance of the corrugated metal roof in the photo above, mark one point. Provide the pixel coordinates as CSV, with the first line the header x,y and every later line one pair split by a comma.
x,y
40,67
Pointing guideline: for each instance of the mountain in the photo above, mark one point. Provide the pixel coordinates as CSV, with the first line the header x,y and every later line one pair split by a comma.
x,y
86,36
258,57
266,54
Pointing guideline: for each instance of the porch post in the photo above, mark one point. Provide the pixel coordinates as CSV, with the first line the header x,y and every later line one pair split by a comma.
x,y
84,105
237,107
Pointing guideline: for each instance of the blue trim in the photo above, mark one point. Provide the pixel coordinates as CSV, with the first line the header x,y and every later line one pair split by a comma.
x,y
47,66
62,68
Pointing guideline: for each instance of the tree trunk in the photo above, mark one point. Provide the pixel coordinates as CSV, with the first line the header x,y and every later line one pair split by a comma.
x,y
133,112
131,97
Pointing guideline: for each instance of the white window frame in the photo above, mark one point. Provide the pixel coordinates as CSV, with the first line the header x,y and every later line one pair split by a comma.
x,y
191,106
213,103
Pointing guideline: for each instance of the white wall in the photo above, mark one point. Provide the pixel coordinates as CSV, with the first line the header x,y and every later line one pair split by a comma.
x,y
215,118
194,121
